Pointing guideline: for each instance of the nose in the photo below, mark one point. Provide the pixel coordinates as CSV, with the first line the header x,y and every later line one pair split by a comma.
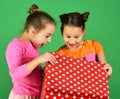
x,y
48,40
72,41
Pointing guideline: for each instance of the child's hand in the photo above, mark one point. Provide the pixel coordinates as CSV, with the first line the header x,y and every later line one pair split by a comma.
x,y
47,57
108,68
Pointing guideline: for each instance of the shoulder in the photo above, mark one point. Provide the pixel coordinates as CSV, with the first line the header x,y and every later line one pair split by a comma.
x,y
61,50
92,43
15,45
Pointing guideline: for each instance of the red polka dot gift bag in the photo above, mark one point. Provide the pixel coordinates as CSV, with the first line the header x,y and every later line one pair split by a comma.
x,y
74,78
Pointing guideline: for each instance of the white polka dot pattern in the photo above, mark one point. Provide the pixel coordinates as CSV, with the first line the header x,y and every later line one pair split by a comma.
x,y
73,78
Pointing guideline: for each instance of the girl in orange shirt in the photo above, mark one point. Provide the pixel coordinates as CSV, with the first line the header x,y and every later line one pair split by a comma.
x,y
73,30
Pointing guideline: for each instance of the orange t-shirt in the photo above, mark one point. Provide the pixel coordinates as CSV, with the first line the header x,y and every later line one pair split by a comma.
x,y
89,50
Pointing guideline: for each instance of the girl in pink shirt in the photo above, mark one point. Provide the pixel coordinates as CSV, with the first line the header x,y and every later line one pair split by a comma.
x,y
23,57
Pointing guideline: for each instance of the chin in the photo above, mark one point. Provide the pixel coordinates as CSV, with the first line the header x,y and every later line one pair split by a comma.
x,y
41,46
73,48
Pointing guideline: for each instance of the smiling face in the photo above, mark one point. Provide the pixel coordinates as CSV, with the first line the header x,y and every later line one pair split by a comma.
x,y
73,37
43,36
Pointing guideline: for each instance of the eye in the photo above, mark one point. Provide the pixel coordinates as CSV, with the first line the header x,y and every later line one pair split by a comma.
x,y
68,36
48,35
76,36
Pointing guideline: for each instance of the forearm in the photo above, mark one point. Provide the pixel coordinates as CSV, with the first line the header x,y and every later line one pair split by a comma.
x,y
107,66
47,57
33,64
102,57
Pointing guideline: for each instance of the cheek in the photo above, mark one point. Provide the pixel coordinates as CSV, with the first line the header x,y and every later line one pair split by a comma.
x,y
38,41
65,39
39,38
78,40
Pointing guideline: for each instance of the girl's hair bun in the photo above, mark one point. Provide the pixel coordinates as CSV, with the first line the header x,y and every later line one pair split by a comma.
x,y
34,8
85,16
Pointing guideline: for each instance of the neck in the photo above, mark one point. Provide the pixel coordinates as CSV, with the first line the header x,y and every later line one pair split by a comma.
x,y
24,36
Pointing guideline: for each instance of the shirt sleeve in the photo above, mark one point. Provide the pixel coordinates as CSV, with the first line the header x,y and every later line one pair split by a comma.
x,y
14,54
98,47
59,51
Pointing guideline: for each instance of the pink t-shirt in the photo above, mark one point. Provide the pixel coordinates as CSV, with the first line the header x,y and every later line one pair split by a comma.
x,y
18,53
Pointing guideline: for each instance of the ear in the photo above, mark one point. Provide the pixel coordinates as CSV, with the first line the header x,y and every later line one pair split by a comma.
x,y
32,30
84,31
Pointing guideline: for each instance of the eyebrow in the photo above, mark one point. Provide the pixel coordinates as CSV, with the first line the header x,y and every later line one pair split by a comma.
x,y
49,33
76,35
70,35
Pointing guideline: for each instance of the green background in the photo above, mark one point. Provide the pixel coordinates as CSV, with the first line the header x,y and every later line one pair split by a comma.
x,y
103,25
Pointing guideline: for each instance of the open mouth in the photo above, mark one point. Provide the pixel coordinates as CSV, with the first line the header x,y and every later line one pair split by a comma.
x,y
42,45
72,45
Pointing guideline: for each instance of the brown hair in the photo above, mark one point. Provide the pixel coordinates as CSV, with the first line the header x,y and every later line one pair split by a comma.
x,y
74,19
38,19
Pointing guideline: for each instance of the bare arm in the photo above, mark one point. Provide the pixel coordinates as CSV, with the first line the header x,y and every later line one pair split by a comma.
x,y
47,57
107,66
